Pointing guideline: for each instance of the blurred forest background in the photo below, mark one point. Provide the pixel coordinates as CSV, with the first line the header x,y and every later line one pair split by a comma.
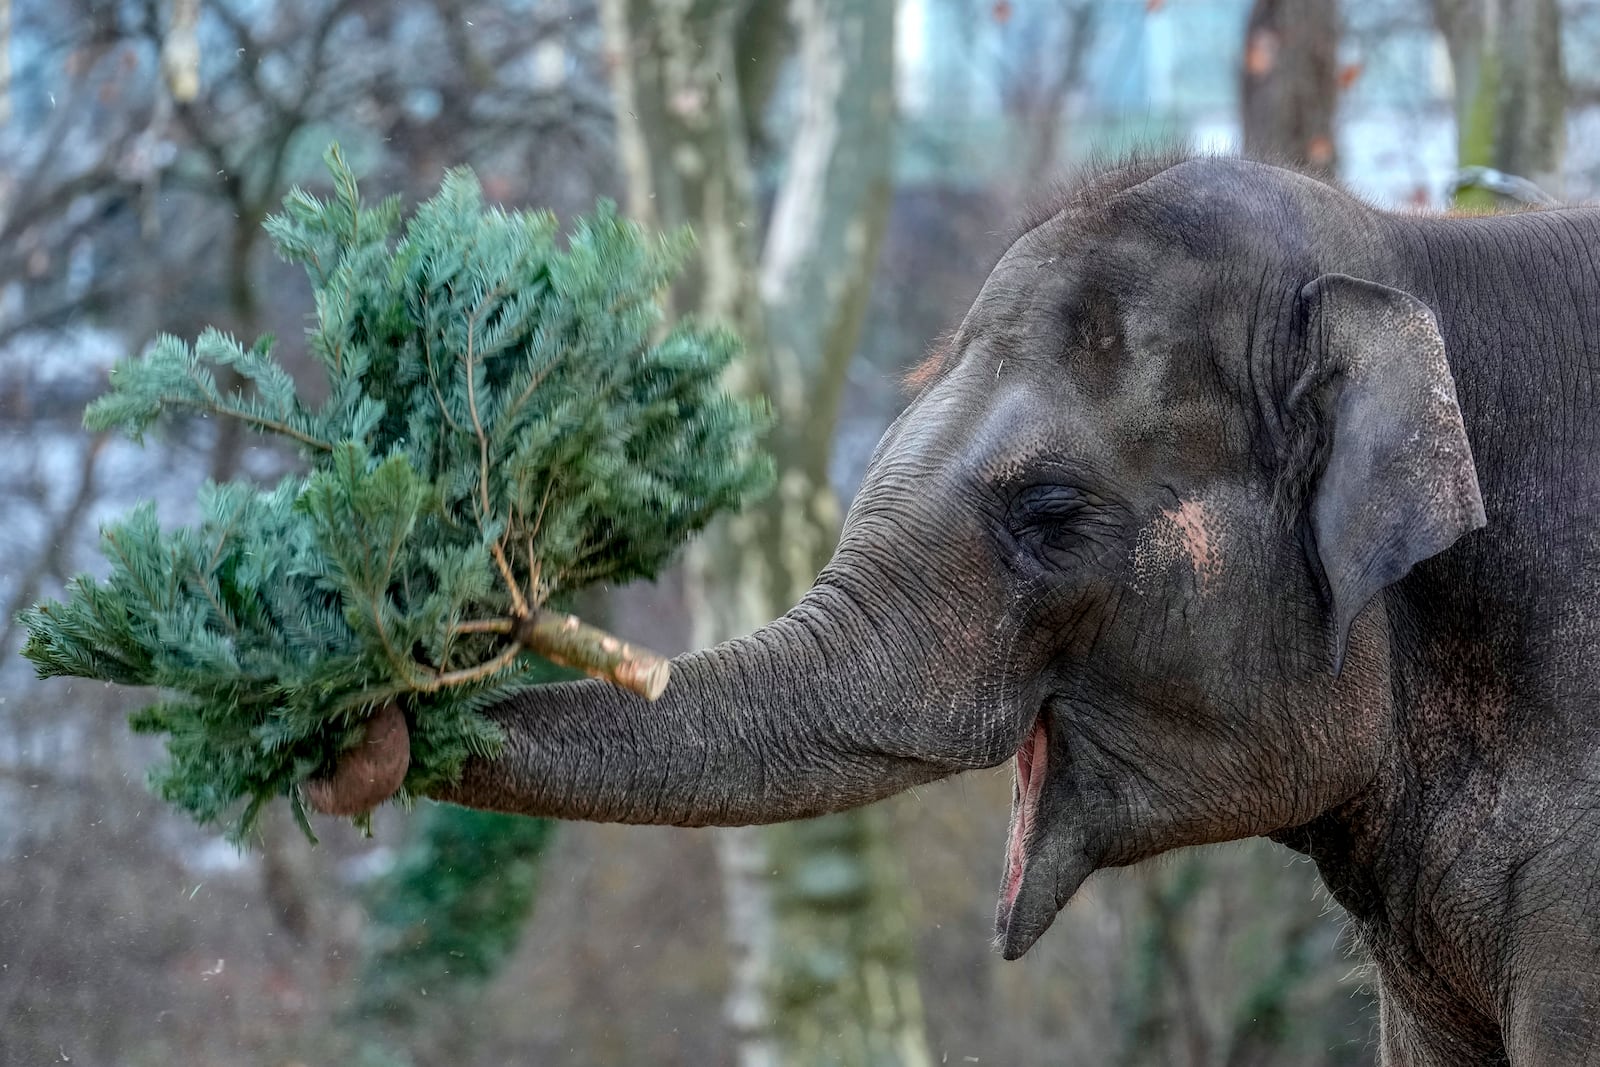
x,y
848,166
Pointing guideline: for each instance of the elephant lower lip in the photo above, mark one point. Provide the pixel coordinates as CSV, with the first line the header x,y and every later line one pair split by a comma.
x,y
1031,758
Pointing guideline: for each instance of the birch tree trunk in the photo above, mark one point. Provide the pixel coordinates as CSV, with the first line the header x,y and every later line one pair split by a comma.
x,y
822,971
1511,93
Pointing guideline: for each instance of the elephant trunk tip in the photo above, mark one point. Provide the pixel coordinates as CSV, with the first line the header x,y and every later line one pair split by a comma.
x,y
368,774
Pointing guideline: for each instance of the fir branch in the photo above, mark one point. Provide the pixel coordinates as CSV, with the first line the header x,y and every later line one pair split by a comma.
x,y
261,422
485,626
571,440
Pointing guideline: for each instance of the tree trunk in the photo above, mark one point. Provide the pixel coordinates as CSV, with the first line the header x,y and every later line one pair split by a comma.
x,y
1510,90
1289,91
821,973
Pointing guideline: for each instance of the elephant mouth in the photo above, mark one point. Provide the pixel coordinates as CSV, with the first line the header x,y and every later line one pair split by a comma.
x,y
1047,850
1032,759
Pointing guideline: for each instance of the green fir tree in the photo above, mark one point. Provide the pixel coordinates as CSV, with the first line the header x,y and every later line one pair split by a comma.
x,y
507,420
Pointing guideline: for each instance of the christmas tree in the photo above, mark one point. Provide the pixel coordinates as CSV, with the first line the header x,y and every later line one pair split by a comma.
x,y
507,420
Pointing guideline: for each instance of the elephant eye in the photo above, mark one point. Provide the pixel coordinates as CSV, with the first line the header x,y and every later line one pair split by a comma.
x,y
1044,510
1059,527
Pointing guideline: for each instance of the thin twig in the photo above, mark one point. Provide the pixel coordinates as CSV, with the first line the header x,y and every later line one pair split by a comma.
x,y
535,569
518,604
538,519
472,396
436,682
477,424
536,565
433,373
510,415
269,424
401,665
485,626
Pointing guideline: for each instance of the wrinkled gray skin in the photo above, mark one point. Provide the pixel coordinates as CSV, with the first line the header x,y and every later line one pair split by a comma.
x,y
1187,516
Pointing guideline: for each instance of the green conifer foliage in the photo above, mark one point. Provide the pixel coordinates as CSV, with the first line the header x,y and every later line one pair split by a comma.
x,y
506,421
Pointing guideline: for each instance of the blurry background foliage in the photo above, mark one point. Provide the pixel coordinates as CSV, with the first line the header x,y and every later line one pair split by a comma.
x,y
143,144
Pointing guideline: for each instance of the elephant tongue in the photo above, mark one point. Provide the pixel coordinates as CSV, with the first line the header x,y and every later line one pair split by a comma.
x,y
1031,758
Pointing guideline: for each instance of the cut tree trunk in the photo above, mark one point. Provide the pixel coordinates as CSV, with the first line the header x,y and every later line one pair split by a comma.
x,y
821,972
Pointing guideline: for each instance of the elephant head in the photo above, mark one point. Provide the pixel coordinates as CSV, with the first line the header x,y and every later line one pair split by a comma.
x,y
1124,534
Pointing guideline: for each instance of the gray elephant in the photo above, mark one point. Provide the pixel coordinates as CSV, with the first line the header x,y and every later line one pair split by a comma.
x,y
1182,520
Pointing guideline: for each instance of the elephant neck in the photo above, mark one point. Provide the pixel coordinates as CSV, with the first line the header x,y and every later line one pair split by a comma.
x,y
1430,857
1385,860
1482,797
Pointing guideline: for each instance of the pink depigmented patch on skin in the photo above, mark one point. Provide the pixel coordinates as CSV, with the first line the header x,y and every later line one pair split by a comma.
x,y
1194,530
1187,533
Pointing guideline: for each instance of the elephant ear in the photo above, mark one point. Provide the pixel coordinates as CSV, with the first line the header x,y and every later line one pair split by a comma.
x,y
1398,484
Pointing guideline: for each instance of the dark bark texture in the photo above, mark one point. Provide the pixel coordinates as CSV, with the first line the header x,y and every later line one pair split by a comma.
x,y
1289,92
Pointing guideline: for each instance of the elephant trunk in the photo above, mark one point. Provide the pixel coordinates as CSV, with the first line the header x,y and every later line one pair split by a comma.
x,y
813,713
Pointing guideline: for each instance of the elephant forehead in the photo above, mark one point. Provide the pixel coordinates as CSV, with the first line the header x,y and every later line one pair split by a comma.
x,y
1028,420
1025,302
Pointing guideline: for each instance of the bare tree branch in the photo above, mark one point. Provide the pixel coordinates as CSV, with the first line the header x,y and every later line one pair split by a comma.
x,y
57,542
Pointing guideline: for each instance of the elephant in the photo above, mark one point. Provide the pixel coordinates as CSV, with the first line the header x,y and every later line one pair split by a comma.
x,y
1235,506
